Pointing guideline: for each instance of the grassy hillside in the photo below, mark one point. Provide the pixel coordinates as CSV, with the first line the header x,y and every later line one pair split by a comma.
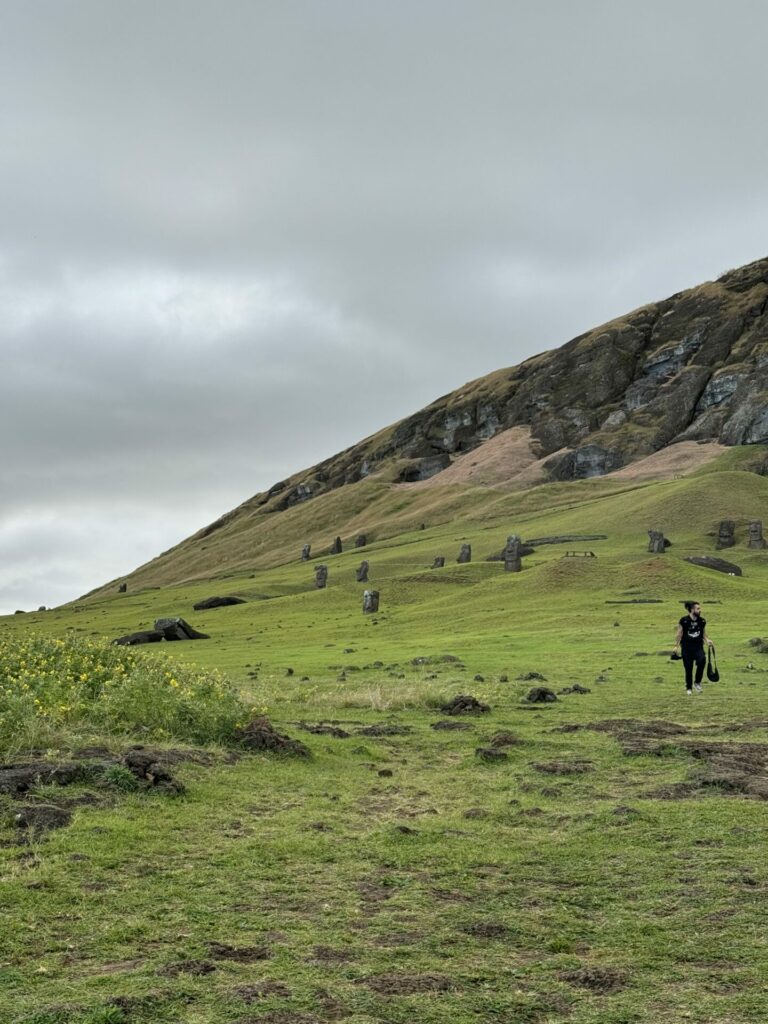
x,y
599,873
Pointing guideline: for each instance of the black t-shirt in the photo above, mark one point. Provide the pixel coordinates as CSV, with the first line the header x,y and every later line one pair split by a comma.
x,y
693,632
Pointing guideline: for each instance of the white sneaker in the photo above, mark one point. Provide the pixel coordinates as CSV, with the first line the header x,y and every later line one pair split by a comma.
x,y
689,692
697,687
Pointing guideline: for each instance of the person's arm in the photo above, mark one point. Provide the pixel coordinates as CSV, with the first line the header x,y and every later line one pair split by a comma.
x,y
678,636
707,641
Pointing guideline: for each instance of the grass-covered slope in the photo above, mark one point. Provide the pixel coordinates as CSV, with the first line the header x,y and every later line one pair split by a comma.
x,y
609,869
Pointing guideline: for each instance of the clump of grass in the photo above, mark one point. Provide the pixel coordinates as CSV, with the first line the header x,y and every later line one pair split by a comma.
x,y
394,696
52,688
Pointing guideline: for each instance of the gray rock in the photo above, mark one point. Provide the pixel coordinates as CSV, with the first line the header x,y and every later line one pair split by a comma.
x,y
656,542
719,564
726,534
423,469
178,629
144,636
756,539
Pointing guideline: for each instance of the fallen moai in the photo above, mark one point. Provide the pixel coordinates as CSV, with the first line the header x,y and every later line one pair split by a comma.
x,y
718,564
217,602
179,629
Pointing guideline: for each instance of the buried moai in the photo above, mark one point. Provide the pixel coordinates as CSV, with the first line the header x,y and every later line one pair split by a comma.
x,y
465,555
123,588
656,542
361,540
370,601
512,560
726,534
321,576
336,547
362,573
305,552
439,562
756,539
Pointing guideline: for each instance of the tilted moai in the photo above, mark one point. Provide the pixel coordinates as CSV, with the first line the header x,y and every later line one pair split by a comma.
x,y
362,573
726,534
512,561
370,601
656,544
465,555
439,562
305,552
336,547
321,576
756,534
361,540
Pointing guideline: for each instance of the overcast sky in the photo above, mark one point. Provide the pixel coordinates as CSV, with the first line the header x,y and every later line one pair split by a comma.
x,y
239,236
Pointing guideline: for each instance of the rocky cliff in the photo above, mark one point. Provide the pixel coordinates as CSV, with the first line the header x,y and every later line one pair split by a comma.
x,y
691,367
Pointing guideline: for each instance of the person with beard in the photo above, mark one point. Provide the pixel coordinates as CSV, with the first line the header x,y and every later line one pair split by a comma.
x,y
689,642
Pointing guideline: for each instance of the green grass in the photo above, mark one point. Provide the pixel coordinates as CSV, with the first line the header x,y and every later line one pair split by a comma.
x,y
451,889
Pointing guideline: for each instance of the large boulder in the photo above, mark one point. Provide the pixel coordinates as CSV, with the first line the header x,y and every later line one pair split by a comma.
x,y
217,602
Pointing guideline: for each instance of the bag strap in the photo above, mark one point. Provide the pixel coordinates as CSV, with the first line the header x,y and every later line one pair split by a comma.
x,y
711,656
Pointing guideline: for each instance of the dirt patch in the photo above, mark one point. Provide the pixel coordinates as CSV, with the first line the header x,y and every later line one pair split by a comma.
x,y
330,955
563,767
261,990
324,730
38,819
629,727
465,704
196,968
408,984
240,954
384,730
504,739
739,769
491,754
601,980
451,726
260,735
486,930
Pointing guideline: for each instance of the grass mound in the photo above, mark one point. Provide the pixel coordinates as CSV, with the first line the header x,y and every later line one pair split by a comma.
x,y
52,689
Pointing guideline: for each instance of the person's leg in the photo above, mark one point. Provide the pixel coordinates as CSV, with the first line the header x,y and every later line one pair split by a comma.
x,y
688,666
701,661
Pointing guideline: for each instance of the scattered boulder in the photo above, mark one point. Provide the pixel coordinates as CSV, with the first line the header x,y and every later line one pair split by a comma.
x,y
529,677
305,552
718,564
726,534
39,818
541,695
756,539
465,555
217,602
144,636
18,778
321,576
259,734
178,629
370,601
491,754
362,573
146,766
439,562
576,688
465,704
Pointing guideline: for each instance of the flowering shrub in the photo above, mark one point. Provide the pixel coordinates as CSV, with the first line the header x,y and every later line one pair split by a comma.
x,y
50,686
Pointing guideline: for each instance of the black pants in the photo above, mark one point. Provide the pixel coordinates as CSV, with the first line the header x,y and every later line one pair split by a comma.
x,y
690,658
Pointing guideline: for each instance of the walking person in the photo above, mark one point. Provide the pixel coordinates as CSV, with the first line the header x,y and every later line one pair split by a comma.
x,y
689,642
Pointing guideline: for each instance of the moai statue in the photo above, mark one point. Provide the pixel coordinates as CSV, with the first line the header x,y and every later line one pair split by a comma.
x,y
656,544
725,534
321,576
361,540
439,562
122,588
362,573
336,547
756,534
305,552
370,601
465,555
512,561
